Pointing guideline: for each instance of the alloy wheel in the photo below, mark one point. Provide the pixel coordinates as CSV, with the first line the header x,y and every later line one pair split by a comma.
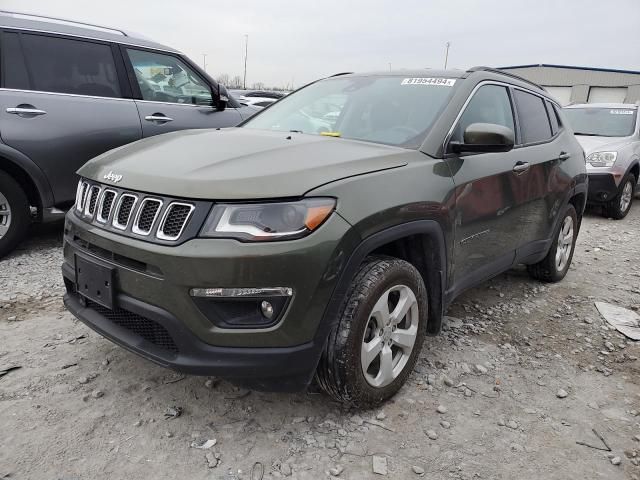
x,y
389,336
5,215
565,244
625,196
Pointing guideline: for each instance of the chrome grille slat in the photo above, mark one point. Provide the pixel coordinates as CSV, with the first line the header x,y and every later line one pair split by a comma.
x,y
91,200
83,188
105,205
174,220
124,208
146,217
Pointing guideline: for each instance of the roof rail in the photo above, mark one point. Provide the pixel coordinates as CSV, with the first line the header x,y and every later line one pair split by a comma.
x,y
62,21
339,74
508,74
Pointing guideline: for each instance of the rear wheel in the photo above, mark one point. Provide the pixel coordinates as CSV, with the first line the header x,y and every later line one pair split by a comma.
x,y
619,207
555,265
374,347
14,214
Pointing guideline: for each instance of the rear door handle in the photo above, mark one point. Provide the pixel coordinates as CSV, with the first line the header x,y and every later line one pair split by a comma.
x,y
564,156
521,167
25,111
158,118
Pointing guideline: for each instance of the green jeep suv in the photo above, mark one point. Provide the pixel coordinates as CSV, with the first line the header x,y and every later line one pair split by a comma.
x,y
324,237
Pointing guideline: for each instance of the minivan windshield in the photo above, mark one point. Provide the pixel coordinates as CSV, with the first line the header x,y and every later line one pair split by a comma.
x,y
393,110
602,122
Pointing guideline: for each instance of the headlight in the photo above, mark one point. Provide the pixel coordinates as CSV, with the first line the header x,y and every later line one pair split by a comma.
x,y
259,222
602,159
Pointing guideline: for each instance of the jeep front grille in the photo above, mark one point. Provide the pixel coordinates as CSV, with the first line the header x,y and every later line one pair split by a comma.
x,y
137,214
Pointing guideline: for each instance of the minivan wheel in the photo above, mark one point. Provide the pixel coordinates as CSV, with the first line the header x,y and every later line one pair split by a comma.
x,y
14,214
375,345
619,207
555,265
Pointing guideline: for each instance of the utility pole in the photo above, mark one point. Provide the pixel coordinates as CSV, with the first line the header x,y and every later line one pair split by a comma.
x,y
389,66
246,51
446,55
204,62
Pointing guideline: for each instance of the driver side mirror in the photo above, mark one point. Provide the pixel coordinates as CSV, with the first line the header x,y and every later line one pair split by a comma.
x,y
485,138
221,102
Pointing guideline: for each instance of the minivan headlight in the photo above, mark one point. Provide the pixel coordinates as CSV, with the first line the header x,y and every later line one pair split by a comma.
x,y
602,159
259,222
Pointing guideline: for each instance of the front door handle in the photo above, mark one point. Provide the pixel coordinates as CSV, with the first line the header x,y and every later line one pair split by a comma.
x,y
158,118
521,167
25,110
564,156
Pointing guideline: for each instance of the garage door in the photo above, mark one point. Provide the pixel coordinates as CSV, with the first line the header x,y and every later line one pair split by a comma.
x,y
607,94
561,94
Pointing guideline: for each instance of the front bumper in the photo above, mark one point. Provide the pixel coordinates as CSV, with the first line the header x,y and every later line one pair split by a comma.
x,y
602,187
155,317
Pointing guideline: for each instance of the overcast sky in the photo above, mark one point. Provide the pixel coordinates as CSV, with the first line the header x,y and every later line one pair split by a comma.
x,y
299,41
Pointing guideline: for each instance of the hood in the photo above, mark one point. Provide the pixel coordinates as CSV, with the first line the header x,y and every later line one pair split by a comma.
x,y
602,144
238,163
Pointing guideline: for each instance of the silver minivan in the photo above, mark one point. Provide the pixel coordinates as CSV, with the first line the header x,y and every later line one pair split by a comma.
x,y
610,136
70,91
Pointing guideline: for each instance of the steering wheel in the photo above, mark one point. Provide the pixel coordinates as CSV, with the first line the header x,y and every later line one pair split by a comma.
x,y
404,129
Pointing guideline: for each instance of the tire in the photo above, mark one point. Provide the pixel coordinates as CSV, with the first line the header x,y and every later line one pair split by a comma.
x,y
340,372
619,207
555,265
15,215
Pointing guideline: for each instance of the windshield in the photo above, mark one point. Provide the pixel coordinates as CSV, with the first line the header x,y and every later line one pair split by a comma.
x,y
602,122
393,110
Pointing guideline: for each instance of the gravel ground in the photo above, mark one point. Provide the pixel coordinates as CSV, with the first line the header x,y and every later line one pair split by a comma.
x,y
521,373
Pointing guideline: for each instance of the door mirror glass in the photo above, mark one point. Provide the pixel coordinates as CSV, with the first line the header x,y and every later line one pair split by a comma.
x,y
165,78
485,137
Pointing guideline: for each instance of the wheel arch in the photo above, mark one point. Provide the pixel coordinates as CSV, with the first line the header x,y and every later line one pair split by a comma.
x,y
28,175
420,243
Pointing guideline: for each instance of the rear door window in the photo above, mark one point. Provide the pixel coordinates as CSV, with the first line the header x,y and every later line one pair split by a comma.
x,y
14,68
555,126
490,104
70,66
533,118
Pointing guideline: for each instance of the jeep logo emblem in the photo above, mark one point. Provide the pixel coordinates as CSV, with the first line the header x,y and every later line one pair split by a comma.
x,y
112,177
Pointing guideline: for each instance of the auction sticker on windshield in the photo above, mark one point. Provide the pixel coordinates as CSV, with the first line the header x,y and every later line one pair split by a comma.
x,y
621,112
445,82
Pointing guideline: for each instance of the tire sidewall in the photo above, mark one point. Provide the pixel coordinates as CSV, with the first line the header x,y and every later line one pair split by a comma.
x,y
20,219
628,179
397,274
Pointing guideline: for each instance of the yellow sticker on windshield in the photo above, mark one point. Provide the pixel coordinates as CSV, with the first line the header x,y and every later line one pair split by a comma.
x,y
330,134
444,82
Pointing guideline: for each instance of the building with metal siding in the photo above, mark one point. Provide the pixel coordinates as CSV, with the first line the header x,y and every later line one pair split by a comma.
x,y
583,84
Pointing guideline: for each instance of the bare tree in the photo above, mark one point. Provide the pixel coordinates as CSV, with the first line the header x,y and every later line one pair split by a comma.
x,y
223,79
236,82
258,86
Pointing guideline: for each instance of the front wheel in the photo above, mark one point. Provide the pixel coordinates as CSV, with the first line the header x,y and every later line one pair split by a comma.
x,y
619,207
555,265
376,343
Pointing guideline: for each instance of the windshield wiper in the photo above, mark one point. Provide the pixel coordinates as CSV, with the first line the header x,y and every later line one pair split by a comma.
x,y
296,131
587,134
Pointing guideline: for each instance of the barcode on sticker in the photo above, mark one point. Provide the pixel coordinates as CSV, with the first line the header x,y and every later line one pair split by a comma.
x,y
445,82
621,112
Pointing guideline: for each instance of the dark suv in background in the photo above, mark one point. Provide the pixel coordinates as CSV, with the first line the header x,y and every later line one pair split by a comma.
x,y
327,235
70,91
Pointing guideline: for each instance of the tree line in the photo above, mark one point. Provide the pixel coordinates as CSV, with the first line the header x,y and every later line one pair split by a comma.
x,y
235,82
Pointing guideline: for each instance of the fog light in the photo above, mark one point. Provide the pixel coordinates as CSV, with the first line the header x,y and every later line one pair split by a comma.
x,y
267,309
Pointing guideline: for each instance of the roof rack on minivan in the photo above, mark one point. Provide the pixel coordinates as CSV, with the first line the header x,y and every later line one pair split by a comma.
x,y
508,74
63,21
